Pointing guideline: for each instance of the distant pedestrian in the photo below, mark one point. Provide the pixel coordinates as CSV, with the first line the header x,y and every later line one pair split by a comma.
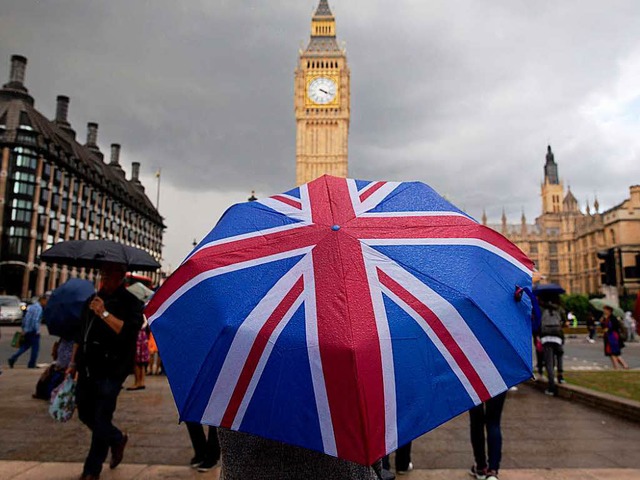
x,y
630,326
573,320
591,328
104,353
487,450
31,331
613,343
153,368
141,359
539,349
206,449
553,319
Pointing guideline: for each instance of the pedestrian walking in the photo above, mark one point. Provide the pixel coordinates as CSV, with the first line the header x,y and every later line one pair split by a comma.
x,y
403,459
630,326
487,450
103,357
31,331
573,320
552,320
141,360
591,328
154,365
206,448
613,343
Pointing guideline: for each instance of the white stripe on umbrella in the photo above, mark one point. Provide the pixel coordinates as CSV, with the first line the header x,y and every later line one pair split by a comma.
x,y
315,362
381,194
245,236
452,321
303,214
243,340
386,353
471,242
221,271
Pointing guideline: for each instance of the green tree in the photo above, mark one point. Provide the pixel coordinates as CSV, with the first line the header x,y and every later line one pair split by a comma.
x,y
576,303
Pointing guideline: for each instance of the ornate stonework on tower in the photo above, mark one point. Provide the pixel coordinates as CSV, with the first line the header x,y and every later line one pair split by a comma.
x,y
322,102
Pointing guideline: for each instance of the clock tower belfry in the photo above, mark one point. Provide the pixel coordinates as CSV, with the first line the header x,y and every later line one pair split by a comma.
x,y
322,102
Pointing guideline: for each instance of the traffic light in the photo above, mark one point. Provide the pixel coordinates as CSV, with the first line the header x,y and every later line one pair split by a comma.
x,y
608,267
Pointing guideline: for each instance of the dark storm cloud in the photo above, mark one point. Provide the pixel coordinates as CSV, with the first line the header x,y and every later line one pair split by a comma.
x,y
464,95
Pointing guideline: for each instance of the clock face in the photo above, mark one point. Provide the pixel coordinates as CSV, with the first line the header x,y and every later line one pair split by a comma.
x,y
322,90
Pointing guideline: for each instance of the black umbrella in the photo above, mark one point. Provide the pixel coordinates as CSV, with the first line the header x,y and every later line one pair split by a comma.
x,y
94,253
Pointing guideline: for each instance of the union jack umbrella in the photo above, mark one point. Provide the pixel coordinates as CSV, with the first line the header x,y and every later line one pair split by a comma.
x,y
344,316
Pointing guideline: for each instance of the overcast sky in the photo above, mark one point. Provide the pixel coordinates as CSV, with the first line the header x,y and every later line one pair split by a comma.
x,y
463,95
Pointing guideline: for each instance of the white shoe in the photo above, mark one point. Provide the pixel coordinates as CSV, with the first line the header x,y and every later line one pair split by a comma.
x,y
404,472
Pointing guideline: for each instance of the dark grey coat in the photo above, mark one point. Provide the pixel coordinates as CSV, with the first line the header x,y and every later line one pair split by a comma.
x,y
247,457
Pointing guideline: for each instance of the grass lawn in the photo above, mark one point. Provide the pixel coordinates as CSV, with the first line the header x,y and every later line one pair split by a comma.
x,y
621,383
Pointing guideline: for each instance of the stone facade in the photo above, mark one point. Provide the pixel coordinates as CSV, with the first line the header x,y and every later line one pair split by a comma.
x,y
322,100
564,241
52,188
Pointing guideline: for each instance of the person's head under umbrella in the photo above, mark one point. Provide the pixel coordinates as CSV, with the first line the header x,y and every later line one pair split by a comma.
x,y
44,298
112,275
549,299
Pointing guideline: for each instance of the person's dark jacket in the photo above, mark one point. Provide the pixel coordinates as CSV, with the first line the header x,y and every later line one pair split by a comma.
x,y
247,457
103,353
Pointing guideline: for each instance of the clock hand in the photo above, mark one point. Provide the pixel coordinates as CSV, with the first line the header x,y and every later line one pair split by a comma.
x,y
323,91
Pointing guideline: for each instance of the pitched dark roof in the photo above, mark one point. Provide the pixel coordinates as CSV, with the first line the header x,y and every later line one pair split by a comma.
x,y
53,140
570,199
323,45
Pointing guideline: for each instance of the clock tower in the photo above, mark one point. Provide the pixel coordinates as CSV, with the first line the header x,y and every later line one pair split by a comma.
x,y
322,102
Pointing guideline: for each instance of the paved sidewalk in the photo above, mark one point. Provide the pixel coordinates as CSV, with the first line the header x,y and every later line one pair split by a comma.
x,y
544,438
67,471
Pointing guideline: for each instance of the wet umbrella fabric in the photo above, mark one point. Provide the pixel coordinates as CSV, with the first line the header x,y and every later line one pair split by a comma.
x,y
600,303
63,310
344,316
94,253
140,291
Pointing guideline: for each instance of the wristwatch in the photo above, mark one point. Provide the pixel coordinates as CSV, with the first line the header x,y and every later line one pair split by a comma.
x,y
105,314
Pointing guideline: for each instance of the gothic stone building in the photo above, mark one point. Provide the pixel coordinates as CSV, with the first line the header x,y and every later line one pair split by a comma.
x,y
564,241
52,188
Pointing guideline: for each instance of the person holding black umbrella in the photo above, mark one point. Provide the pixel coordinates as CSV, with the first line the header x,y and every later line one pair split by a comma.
x,y
103,357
